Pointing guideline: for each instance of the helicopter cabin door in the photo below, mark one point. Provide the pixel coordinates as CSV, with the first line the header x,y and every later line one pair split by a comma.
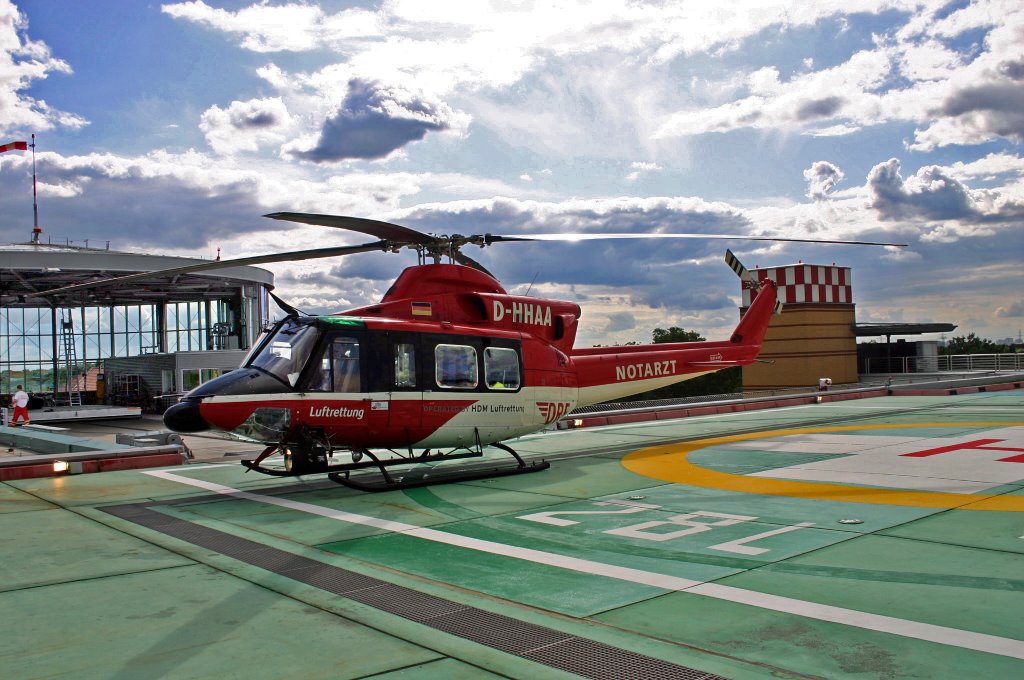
x,y
395,397
338,385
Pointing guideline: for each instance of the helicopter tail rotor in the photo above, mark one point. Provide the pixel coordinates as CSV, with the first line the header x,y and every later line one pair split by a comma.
x,y
748,277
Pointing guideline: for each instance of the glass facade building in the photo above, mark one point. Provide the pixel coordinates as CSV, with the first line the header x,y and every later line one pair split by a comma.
x,y
42,335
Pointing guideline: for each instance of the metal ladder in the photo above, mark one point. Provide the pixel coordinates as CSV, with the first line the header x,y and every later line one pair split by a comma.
x,y
73,390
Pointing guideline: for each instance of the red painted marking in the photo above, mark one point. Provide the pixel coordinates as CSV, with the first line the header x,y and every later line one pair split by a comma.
x,y
976,445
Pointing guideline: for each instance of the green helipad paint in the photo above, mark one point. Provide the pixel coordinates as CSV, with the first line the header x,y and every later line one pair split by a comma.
x,y
16,500
185,622
709,553
233,474
745,462
779,510
53,546
99,488
802,645
1002,531
537,585
948,585
98,596
466,501
444,669
573,478
422,507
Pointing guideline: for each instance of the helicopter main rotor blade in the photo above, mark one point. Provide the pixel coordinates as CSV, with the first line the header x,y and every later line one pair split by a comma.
x,y
581,236
382,230
290,256
397,233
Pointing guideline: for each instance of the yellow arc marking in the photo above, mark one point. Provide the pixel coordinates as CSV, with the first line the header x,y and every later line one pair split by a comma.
x,y
669,462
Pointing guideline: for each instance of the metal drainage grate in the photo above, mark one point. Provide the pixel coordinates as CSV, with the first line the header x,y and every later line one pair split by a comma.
x,y
540,644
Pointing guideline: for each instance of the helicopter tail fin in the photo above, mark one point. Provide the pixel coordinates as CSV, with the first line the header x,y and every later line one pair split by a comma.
x,y
754,324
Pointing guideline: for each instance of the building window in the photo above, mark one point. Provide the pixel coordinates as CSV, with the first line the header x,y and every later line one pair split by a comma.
x,y
190,379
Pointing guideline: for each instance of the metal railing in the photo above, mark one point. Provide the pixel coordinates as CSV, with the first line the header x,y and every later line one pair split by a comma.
x,y
658,404
947,363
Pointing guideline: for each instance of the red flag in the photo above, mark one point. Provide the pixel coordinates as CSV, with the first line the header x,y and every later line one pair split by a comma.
x,y
14,146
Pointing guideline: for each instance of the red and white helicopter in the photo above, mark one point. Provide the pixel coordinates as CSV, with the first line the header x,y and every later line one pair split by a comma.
x,y
448,362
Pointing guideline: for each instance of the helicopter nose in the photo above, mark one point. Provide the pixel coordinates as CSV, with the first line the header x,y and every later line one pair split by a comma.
x,y
184,417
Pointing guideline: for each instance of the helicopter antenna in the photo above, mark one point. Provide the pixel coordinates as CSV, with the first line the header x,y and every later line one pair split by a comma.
x,y
291,311
532,281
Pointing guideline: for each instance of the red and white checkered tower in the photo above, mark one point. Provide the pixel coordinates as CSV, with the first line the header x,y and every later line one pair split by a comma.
x,y
806,283
814,336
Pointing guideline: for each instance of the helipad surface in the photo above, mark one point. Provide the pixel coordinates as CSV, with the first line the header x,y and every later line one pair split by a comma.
x,y
879,538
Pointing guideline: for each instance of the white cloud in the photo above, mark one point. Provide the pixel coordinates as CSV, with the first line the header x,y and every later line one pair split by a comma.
x,y
245,126
844,92
911,76
374,120
984,99
934,193
822,178
582,88
274,28
991,165
23,61
474,50
640,168
1011,310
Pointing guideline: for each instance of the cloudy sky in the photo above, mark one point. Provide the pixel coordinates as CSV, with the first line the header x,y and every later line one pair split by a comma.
x,y
172,128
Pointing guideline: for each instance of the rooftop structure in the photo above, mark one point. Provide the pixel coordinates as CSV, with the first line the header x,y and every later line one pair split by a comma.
x,y
42,335
813,338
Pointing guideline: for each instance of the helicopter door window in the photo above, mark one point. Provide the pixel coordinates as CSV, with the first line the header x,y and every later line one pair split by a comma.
x,y
501,368
339,368
455,366
405,364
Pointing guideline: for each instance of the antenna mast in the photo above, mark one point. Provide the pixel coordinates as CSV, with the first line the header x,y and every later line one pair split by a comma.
x,y
36,231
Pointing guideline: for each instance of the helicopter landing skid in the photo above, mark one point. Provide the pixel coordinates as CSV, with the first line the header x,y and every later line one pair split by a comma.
x,y
386,481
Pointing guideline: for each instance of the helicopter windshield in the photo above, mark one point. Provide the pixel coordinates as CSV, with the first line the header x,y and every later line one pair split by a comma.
x,y
287,351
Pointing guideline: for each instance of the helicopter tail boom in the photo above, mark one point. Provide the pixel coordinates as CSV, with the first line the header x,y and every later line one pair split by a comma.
x,y
616,372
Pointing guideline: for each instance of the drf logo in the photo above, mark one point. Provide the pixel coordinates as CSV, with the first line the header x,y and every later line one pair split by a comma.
x,y
551,411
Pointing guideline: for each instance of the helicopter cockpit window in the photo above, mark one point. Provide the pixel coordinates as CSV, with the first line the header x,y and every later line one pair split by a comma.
x,y
287,352
405,364
455,366
338,370
501,368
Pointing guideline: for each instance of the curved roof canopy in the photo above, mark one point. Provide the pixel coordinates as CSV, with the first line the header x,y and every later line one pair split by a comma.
x,y
29,269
